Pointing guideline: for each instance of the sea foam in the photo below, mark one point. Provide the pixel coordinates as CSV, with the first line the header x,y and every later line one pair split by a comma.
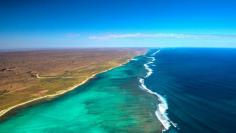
x,y
153,54
162,106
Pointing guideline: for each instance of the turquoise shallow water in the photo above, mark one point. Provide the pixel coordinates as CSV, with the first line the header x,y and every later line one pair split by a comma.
x,y
110,102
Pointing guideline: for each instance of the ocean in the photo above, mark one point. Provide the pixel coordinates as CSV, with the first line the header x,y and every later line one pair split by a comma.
x,y
199,86
182,90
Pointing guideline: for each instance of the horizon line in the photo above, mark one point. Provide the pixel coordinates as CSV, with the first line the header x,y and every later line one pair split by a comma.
x,y
69,48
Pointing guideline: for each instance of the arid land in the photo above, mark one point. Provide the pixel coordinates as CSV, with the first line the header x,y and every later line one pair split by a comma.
x,y
30,76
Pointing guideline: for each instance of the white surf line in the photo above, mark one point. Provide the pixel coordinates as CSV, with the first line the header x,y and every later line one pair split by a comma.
x,y
162,106
149,73
153,54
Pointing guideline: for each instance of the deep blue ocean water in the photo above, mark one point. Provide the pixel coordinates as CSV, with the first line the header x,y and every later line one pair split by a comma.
x,y
199,86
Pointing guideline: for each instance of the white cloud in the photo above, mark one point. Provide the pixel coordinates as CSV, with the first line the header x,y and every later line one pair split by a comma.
x,y
140,35
157,35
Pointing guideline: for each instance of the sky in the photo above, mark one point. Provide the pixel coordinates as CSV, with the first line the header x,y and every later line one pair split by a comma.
x,y
117,23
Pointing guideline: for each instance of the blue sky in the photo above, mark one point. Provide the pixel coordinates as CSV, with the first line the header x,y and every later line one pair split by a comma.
x,y
117,23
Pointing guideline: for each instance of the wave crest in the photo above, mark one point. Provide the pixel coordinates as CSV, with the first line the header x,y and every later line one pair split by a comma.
x,y
162,106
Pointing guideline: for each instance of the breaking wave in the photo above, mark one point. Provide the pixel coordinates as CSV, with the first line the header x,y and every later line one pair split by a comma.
x,y
162,106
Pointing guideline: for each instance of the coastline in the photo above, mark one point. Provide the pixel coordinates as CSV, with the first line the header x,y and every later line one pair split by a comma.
x,y
8,111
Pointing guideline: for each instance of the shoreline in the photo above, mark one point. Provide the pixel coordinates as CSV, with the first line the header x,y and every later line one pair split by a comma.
x,y
8,111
